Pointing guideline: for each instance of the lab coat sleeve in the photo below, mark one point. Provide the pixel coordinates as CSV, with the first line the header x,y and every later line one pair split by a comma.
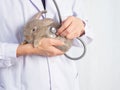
x,y
7,54
79,11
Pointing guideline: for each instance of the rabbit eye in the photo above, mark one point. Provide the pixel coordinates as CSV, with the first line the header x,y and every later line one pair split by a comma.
x,y
34,29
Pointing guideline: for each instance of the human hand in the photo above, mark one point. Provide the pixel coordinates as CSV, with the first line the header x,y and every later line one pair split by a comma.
x,y
46,48
71,28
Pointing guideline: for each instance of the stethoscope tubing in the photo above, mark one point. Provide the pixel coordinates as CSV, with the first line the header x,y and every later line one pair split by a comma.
x,y
84,46
60,21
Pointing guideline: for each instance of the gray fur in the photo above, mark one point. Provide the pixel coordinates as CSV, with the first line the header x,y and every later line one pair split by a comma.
x,y
37,29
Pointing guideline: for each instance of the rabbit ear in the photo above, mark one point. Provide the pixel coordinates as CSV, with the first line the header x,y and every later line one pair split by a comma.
x,y
38,15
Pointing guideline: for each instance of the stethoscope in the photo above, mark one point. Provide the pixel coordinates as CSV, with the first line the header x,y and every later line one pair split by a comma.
x,y
53,31
77,58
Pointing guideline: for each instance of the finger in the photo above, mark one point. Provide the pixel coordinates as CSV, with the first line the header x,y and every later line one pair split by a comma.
x,y
68,30
72,36
57,51
56,42
65,24
54,52
82,32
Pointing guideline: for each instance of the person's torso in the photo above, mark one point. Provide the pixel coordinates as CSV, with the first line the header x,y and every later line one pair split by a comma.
x,y
34,72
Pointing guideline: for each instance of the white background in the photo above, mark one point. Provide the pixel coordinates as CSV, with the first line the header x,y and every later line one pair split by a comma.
x,y
100,68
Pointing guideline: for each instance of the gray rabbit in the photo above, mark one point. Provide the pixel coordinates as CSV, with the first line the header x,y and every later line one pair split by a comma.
x,y
37,29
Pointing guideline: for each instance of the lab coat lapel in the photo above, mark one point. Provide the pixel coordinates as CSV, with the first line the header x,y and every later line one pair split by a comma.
x,y
39,4
50,9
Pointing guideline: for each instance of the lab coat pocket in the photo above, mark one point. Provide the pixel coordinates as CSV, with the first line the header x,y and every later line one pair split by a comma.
x,y
76,82
72,73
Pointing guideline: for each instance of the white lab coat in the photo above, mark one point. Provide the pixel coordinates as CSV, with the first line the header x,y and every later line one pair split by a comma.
x,y
35,72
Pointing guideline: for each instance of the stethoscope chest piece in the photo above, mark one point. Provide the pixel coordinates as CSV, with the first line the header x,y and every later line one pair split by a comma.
x,y
52,30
